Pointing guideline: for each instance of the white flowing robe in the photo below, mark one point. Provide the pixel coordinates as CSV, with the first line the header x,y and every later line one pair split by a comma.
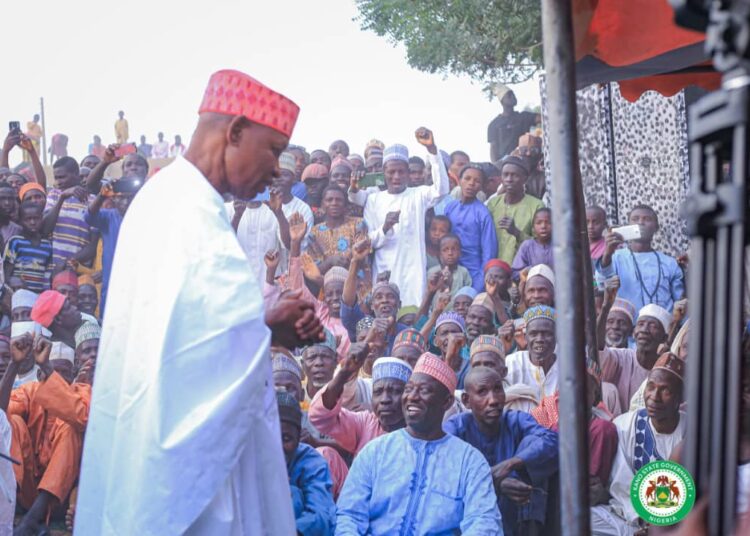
x,y
183,435
402,250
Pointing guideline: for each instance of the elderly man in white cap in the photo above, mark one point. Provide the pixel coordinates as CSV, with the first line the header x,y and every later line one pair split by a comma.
x,y
396,218
627,368
539,288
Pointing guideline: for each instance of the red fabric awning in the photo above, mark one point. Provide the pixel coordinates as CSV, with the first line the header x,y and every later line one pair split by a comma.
x,y
637,43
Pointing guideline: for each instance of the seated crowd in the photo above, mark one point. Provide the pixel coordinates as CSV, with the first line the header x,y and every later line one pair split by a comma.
x,y
432,405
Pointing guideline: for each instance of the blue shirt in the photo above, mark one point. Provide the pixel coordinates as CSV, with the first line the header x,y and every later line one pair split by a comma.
x,y
521,436
299,190
409,487
648,277
108,222
473,224
351,315
312,492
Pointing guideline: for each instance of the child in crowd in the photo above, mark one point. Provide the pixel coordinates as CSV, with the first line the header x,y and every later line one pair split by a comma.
x,y
472,223
438,228
454,276
29,256
537,250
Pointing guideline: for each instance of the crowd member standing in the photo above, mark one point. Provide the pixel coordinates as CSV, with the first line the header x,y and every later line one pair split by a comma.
x,y
122,132
395,218
513,210
160,148
646,276
65,215
203,380
473,224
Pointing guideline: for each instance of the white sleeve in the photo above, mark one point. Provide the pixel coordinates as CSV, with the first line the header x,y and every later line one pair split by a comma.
x,y
440,183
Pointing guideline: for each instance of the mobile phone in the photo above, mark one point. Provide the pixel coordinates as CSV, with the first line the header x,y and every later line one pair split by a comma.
x,y
128,148
628,232
372,179
14,126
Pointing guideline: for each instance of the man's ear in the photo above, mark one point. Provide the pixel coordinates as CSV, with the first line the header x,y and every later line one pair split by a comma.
x,y
235,129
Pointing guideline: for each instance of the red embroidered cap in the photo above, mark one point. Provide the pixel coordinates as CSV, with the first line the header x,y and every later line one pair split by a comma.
x,y
234,93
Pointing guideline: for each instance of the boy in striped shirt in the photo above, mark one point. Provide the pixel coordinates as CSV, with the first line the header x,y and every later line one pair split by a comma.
x,y
29,256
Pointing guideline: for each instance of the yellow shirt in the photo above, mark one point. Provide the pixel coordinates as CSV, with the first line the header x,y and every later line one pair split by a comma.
x,y
523,216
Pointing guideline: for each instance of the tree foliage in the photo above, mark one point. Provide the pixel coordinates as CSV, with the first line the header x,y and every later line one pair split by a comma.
x,y
488,40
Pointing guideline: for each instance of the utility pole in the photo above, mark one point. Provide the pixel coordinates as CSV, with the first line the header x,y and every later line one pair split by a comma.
x,y
44,132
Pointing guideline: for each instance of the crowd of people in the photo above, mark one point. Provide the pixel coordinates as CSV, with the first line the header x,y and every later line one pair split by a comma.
x,y
430,403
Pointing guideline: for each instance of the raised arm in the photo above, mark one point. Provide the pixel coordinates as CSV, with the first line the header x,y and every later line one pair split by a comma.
x,y
444,298
360,251
11,140
611,286
36,165
275,204
440,183
50,219
94,180
19,350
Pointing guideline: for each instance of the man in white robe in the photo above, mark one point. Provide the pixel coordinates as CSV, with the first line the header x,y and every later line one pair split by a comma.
x,y
396,218
535,368
663,426
183,435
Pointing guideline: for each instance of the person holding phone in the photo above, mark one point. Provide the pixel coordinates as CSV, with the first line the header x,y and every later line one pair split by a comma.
x,y
646,276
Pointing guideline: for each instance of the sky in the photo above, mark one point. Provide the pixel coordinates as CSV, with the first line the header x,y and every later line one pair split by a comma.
x,y
152,59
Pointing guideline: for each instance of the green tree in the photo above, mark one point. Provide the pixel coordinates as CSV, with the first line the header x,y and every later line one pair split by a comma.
x,y
488,40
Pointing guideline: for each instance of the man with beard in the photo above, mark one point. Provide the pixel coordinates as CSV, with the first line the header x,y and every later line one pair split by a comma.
x,y
615,322
419,479
539,288
537,366
353,430
521,453
627,368
644,436
480,318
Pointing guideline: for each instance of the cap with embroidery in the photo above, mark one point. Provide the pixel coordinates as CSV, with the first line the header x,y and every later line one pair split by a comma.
x,y
231,92
390,367
397,153
450,317
381,284
539,311
671,363
288,162
488,343
314,171
433,366
410,338
483,300
87,332
284,363
625,307
335,274
289,410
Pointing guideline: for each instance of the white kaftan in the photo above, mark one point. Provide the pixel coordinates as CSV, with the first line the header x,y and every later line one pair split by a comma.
x,y
402,250
183,435
521,371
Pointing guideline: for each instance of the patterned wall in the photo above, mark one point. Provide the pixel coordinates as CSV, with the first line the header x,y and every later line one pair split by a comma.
x,y
633,153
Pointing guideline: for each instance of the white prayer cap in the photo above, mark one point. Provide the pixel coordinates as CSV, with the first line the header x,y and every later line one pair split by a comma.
x,y
23,298
28,326
659,313
61,350
544,271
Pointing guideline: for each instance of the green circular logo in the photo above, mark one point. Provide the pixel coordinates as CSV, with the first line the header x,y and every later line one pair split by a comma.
x,y
662,493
